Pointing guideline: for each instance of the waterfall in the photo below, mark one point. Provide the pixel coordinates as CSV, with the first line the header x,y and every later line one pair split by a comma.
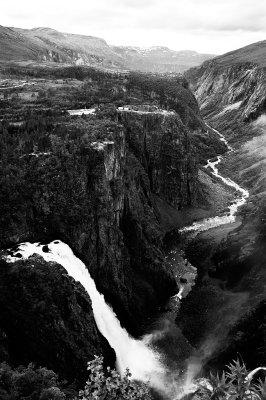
x,y
137,355
142,360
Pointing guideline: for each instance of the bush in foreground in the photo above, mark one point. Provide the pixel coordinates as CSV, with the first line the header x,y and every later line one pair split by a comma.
x,y
109,385
234,384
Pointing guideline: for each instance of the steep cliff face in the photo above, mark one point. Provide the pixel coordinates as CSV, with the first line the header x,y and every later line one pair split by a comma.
x,y
221,89
232,99
84,195
163,146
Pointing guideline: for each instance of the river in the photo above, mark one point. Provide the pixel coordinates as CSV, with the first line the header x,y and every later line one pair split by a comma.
x,y
141,356
241,199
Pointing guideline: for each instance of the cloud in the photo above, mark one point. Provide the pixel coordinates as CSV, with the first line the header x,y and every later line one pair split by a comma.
x,y
216,15
213,25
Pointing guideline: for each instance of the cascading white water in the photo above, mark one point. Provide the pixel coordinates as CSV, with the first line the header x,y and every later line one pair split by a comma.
x,y
230,217
137,355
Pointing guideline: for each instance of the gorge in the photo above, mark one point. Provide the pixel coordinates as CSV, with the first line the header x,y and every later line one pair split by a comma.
x,y
144,361
122,199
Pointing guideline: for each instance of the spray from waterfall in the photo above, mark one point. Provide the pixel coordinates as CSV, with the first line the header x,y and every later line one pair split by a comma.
x,y
139,356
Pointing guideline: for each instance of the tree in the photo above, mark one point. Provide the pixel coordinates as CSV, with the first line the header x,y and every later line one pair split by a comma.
x,y
109,385
29,383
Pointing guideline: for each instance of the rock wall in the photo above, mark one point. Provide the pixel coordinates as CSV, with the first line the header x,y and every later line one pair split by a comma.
x,y
96,192
45,317
162,143
232,99
220,89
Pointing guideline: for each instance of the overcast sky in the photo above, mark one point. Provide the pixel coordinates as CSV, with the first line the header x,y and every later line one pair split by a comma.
x,y
210,26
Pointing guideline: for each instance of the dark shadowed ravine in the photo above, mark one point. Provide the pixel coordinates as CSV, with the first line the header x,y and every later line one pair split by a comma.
x,y
199,241
163,356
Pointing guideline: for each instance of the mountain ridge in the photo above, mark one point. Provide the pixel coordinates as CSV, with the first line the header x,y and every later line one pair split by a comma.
x,y
44,44
254,53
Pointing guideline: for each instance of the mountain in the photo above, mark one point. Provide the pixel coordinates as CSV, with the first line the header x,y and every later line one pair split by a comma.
x,y
230,90
46,44
160,59
116,185
254,53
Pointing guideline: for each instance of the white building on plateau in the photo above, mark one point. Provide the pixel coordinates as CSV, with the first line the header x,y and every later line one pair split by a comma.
x,y
81,111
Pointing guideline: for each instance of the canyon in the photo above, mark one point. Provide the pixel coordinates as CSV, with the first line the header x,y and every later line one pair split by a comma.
x,y
231,96
126,185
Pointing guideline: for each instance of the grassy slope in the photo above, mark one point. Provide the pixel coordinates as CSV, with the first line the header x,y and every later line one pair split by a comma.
x,y
253,53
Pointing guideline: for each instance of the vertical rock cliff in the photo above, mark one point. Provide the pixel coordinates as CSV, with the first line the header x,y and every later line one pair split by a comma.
x,y
231,94
101,185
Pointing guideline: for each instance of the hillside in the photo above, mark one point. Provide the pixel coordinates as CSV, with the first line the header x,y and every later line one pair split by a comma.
x,y
48,45
254,53
45,44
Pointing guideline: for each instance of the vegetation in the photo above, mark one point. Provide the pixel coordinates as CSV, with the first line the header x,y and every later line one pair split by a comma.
x,y
234,384
62,88
109,385
44,164
37,383
50,174
31,383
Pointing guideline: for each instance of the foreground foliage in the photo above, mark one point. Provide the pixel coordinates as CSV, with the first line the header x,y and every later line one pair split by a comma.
x,y
109,385
234,384
30,383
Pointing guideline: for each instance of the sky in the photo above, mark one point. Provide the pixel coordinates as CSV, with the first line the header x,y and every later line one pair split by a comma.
x,y
207,26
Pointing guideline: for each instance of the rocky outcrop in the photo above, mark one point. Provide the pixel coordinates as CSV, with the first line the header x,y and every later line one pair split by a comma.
x,y
162,144
47,318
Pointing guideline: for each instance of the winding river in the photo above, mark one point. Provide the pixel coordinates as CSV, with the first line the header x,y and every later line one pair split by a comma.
x,y
241,199
144,362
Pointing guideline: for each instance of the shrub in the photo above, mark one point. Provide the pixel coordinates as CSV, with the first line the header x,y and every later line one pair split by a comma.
x,y
29,383
234,384
109,385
